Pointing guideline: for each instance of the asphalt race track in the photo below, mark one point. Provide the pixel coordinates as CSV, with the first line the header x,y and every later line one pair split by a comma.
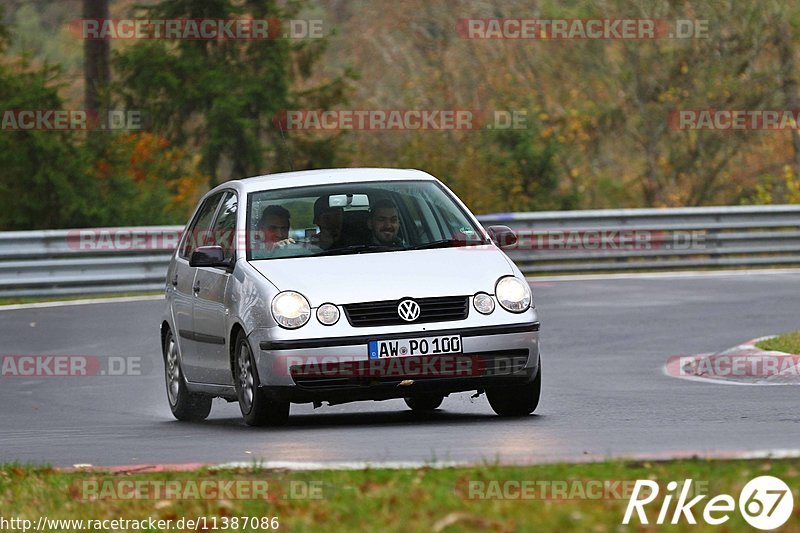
x,y
604,346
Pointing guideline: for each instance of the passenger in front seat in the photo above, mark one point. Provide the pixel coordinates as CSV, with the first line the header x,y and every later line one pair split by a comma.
x,y
329,219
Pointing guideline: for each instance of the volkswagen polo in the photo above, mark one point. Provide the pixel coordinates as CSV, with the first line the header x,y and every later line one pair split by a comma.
x,y
332,286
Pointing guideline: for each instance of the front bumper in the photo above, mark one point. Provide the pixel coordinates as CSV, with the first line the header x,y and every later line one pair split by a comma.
x,y
339,370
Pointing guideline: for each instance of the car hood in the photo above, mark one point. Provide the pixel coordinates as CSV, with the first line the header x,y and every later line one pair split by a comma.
x,y
342,279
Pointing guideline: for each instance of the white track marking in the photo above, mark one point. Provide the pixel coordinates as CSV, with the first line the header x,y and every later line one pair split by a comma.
x,y
666,275
87,301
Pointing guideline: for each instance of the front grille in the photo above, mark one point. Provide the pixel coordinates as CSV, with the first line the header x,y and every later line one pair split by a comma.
x,y
366,373
384,313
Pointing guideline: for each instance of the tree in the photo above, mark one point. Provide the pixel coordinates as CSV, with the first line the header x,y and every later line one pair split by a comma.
x,y
220,97
598,109
97,72
40,171
609,101
56,179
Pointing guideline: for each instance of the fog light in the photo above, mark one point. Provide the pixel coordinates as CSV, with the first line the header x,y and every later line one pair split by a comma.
x,y
484,304
328,314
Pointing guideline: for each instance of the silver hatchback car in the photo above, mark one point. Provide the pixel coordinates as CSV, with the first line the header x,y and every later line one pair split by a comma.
x,y
343,285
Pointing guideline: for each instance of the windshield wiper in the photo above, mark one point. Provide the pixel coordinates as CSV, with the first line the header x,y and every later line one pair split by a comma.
x,y
445,243
354,249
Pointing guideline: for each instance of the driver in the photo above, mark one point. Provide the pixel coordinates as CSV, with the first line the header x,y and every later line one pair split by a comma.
x,y
274,225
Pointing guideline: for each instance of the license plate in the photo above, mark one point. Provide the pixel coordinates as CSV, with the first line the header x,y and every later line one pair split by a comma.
x,y
412,347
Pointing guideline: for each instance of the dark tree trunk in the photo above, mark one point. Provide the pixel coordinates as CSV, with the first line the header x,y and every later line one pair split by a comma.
x,y
96,70
790,97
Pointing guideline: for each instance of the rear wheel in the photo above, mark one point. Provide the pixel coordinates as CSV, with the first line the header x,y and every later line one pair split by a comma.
x,y
516,400
185,405
428,402
256,408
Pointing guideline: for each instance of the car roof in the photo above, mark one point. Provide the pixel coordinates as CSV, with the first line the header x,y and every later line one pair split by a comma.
x,y
304,178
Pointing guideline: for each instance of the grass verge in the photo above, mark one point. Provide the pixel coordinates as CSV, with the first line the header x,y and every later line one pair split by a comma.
x,y
787,342
449,499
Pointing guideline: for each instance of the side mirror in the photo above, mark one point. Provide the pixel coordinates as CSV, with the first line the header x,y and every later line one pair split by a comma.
x,y
503,236
209,256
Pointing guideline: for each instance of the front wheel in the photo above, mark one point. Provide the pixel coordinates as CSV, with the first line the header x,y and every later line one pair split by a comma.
x,y
256,408
185,405
517,400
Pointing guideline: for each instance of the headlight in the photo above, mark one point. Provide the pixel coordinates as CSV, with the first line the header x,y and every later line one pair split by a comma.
x,y
513,294
328,314
291,309
484,304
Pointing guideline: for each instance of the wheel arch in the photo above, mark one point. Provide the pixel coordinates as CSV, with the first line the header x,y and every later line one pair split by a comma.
x,y
236,328
165,327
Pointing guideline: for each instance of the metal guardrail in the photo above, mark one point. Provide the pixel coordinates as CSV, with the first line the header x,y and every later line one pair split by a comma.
x,y
654,239
85,261
113,260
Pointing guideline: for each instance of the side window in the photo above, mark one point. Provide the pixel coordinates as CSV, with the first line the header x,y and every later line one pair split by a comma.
x,y
411,219
261,234
224,232
301,215
197,232
451,219
428,228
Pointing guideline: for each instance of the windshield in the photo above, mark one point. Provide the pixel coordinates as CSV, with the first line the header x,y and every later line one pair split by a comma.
x,y
355,218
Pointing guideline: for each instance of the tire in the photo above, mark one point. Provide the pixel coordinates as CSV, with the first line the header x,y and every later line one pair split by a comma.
x,y
517,400
256,408
421,404
185,406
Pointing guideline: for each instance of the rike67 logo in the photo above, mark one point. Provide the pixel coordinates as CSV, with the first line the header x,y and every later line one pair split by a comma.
x,y
765,502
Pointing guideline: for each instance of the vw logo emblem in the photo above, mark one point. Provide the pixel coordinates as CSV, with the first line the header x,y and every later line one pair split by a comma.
x,y
408,310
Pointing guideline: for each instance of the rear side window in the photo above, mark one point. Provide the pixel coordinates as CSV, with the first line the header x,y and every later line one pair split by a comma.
x,y
197,232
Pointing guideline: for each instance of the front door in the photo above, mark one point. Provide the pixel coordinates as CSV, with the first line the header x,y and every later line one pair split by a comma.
x,y
182,280
211,314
